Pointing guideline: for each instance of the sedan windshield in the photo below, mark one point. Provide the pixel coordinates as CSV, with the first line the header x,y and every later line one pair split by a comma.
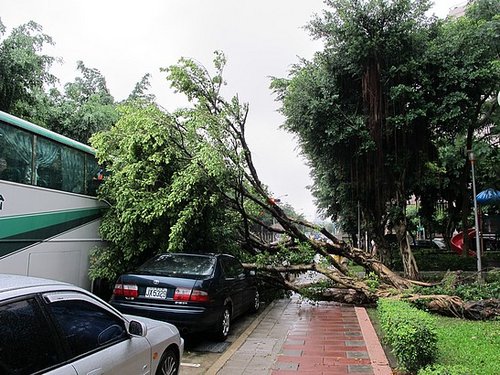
x,y
179,265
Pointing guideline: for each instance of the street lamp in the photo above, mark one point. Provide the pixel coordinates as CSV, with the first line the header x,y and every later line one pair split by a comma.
x,y
359,226
476,218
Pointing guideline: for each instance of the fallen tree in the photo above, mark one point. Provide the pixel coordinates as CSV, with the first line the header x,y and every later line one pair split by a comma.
x,y
166,169
246,191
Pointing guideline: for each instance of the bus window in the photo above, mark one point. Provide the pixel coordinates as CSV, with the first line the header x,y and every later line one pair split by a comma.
x,y
48,166
16,148
73,172
35,156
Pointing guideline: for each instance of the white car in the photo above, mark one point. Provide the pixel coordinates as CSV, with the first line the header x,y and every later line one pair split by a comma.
x,y
52,327
439,242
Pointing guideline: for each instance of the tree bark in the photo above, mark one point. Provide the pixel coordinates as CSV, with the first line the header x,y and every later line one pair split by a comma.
x,y
456,307
410,267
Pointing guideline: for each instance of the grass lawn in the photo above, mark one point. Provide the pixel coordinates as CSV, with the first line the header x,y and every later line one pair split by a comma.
x,y
475,345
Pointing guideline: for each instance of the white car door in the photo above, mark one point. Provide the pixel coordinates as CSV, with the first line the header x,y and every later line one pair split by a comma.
x,y
131,356
97,339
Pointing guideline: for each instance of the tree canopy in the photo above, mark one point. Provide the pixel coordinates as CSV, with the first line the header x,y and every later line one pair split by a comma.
x,y
24,69
391,92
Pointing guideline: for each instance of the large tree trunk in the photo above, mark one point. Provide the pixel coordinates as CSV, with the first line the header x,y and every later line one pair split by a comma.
x,y
456,307
351,291
410,267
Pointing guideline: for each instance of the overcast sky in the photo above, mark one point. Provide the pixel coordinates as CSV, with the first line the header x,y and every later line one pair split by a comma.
x,y
126,39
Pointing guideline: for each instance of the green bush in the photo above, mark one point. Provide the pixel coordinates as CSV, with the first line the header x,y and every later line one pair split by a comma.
x,y
410,333
431,260
445,370
493,276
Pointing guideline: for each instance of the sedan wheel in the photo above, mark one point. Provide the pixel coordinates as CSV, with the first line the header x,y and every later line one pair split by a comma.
x,y
169,364
256,302
223,326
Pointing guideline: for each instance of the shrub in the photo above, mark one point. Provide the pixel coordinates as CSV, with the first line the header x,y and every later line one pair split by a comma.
x,y
430,260
445,370
411,333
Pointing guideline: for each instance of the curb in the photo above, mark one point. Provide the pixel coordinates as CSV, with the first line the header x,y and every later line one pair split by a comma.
x,y
378,359
217,365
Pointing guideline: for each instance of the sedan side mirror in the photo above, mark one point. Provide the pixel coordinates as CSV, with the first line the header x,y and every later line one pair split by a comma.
x,y
136,328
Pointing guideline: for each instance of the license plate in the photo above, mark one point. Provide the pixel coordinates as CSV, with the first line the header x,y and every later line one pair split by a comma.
x,y
159,293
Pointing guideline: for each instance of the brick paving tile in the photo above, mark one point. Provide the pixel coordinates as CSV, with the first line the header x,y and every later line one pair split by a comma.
x,y
353,333
359,369
357,355
297,337
347,361
292,352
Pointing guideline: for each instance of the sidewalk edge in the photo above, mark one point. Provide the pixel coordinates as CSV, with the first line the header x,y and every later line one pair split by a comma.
x,y
378,359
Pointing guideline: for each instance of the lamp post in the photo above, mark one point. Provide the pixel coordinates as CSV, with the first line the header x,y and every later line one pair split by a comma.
x,y
476,218
359,226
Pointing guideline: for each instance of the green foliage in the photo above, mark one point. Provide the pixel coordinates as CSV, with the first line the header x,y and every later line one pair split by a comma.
x,y
463,347
493,275
315,291
161,196
411,333
286,256
24,70
140,91
349,108
104,264
85,108
372,281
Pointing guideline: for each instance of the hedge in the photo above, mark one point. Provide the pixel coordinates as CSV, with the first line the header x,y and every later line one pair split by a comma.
x,y
409,332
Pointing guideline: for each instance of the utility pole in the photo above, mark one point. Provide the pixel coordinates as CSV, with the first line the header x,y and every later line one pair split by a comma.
x,y
476,218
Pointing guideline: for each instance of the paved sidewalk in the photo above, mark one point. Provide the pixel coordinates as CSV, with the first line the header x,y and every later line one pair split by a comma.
x,y
293,336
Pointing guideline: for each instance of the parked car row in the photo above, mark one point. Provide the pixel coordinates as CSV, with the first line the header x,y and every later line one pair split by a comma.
x,y
57,328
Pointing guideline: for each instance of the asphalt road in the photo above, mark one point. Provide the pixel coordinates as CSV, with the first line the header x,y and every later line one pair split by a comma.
x,y
201,353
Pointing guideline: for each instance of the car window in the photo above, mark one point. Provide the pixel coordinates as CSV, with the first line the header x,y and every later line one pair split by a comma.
x,y
179,265
26,343
232,268
86,326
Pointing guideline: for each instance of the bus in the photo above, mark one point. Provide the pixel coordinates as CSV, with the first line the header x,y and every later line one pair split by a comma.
x,y
49,213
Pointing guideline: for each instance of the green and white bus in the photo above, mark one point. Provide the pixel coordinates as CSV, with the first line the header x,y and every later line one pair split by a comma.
x,y
49,214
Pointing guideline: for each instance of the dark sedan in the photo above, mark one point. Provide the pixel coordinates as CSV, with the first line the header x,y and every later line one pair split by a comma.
x,y
194,292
